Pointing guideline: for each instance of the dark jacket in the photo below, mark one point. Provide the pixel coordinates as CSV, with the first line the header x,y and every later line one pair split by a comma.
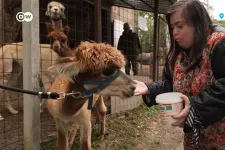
x,y
129,43
209,105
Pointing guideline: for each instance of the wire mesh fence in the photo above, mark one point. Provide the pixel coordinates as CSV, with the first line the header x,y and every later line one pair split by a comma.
x,y
139,58
80,18
11,123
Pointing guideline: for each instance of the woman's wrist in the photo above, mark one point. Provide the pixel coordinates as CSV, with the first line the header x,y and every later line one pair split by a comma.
x,y
147,89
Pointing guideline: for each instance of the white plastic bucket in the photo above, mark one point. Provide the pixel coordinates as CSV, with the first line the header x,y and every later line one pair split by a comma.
x,y
169,104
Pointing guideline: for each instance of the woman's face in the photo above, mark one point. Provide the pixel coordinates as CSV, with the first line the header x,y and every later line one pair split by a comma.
x,y
183,33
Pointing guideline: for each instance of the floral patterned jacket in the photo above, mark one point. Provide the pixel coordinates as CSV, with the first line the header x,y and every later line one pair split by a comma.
x,y
208,104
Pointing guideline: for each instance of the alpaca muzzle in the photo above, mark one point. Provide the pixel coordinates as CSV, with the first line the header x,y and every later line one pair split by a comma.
x,y
100,86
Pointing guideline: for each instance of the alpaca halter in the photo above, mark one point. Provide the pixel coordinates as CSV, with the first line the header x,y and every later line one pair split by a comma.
x,y
77,95
88,93
101,85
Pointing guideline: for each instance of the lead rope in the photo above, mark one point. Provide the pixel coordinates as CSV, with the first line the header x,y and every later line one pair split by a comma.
x,y
47,95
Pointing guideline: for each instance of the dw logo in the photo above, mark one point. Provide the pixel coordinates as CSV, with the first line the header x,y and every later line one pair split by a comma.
x,y
27,16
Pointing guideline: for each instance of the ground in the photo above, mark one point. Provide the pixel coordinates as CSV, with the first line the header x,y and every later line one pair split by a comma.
x,y
137,129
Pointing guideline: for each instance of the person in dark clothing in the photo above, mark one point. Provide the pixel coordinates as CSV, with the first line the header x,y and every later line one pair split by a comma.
x,y
195,67
130,46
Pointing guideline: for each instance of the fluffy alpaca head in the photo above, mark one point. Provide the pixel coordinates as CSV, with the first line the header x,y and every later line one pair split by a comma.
x,y
58,39
90,57
96,61
95,57
55,11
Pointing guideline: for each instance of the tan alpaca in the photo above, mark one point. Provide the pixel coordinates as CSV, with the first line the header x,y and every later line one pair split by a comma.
x,y
57,44
11,57
91,61
56,12
60,46
11,65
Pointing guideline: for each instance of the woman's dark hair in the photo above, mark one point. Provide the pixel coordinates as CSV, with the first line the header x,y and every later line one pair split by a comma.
x,y
195,14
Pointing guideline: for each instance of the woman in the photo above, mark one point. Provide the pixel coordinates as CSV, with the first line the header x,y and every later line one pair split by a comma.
x,y
195,67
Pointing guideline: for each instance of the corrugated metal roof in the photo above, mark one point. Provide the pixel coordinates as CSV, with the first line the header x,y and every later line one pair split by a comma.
x,y
145,5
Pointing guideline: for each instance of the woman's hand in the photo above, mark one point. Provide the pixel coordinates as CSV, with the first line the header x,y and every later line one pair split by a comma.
x,y
181,117
141,88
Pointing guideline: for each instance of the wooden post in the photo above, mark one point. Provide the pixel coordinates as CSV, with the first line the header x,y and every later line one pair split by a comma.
x,y
1,22
155,42
109,28
157,64
98,20
31,67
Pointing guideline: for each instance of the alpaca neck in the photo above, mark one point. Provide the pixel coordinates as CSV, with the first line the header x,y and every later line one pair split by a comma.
x,y
65,52
71,105
57,23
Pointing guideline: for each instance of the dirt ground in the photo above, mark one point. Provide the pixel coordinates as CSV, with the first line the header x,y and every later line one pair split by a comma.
x,y
140,129
11,130
137,129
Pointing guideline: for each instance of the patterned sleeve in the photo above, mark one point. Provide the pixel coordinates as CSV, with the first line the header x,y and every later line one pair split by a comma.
x,y
155,88
195,125
208,106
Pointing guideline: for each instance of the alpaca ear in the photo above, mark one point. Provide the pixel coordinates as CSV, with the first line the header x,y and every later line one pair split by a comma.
x,y
47,13
66,65
91,41
49,27
66,60
66,30
63,15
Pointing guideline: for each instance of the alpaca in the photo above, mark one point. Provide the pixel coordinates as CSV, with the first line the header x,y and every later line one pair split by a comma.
x,y
56,12
11,66
59,45
91,63
145,59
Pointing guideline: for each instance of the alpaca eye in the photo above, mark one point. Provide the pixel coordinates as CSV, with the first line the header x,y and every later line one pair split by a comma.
x,y
109,71
63,40
50,38
62,9
50,7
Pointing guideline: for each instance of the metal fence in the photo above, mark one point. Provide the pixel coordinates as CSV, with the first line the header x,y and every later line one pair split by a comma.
x,y
23,70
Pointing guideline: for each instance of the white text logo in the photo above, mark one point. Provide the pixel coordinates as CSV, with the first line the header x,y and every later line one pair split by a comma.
x,y
27,16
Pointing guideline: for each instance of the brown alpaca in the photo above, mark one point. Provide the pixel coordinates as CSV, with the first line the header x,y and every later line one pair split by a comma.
x,y
59,45
11,66
58,38
59,41
91,61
